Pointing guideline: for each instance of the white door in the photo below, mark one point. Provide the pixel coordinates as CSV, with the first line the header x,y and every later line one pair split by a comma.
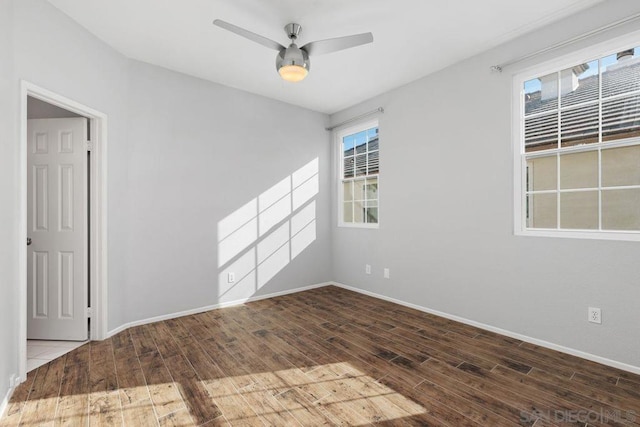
x,y
57,197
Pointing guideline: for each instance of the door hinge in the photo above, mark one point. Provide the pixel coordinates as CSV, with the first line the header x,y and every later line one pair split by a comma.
x,y
89,312
89,146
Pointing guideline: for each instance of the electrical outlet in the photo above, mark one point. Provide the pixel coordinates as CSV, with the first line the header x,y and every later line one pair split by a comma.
x,y
386,273
231,278
367,269
595,315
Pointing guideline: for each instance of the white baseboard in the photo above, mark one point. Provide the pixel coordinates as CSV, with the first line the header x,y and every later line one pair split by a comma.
x,y
211,307
578,353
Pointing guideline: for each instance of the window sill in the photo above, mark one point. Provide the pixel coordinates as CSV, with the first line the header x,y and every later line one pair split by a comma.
x,y
365,226
582,234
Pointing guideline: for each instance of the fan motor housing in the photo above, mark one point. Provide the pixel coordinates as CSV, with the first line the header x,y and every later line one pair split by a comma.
x,y
293,55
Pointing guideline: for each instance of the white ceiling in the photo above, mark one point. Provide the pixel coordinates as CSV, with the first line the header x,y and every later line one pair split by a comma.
x,y
412,38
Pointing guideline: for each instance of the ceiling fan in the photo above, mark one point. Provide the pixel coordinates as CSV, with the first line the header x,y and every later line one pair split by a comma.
x,y
293,62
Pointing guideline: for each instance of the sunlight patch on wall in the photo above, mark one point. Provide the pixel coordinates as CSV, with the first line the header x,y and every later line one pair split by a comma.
x,y
263,236
303,229
275,205
237,231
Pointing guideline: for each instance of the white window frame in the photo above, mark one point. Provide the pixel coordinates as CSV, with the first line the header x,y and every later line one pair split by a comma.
x,y
585,55
339,134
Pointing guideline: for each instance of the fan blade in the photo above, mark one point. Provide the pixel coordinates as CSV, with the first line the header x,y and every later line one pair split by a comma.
x,y
321,47
249,35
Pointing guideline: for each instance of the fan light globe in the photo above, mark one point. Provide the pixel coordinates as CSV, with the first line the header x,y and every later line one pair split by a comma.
x,y
293,73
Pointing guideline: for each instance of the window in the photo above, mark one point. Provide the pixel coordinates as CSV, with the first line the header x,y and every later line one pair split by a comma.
x,y
579,156
359,156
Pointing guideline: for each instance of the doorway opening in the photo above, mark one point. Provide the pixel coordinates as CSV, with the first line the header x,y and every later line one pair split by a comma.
x,y
63,202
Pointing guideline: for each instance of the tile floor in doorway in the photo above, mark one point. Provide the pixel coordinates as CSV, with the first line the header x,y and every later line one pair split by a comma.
x,y
40,352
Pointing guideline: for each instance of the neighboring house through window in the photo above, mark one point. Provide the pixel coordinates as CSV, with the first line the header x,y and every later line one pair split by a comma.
x,y
359,154
578,156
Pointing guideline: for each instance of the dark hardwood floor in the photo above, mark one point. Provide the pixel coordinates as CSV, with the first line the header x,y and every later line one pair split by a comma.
x,y
322,357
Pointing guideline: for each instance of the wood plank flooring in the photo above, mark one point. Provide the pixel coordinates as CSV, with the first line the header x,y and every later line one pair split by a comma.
x,y
322,357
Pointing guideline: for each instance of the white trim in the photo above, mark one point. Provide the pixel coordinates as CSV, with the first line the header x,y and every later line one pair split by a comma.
x,y
573,352
361,225
98,204
212,307
629,236
519,167
561,62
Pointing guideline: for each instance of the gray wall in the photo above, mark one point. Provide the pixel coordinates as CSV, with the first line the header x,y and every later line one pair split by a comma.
x,y
197,152
183,154
446,215
8,202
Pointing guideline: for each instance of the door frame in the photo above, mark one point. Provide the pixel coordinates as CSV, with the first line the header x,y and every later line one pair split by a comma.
x,y
98,213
